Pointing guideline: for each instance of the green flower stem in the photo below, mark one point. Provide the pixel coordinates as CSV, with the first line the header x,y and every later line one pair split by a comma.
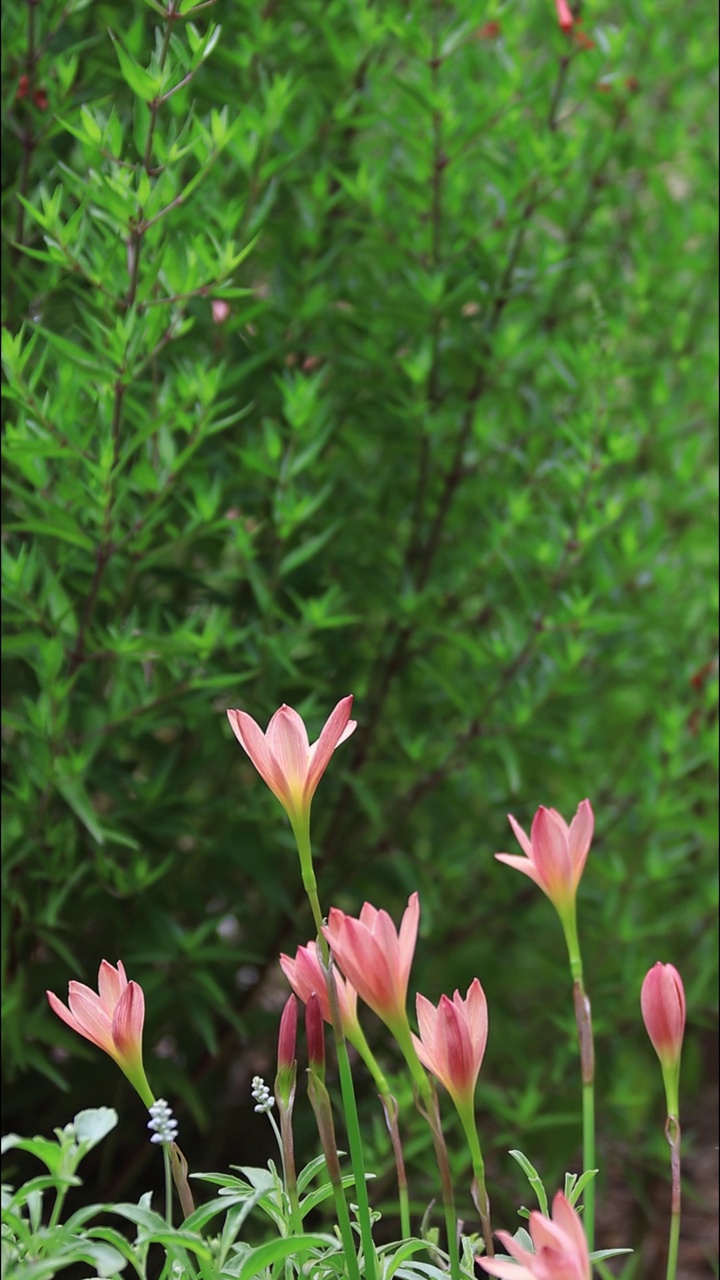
x,y
301,831
480,1195
284,1136
583,1019
352,1125
320,1102
430,1111
167,1161
672,1133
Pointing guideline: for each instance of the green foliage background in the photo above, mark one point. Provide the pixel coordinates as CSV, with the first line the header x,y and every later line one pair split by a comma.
x,y
452,449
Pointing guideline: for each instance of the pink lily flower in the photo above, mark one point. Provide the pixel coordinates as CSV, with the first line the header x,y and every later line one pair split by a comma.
x,y
565,18
112,1020
662,1001
375,957
307,977
555,854
283,756
561,1250
452,1041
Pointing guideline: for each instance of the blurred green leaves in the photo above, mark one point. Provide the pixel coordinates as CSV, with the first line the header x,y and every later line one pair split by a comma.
x,y
451,447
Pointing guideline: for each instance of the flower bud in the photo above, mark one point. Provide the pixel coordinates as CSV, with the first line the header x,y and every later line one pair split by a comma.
x,y
315,1035
286,1064
662,1001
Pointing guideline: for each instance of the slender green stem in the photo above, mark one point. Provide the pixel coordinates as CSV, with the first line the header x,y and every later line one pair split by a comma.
x,y
168,1184
588,1104
301,831
583,1019
672,1133
357,1159
480,1195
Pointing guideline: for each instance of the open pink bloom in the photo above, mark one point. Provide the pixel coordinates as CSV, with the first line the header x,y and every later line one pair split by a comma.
x,y
662,1000
564,15
561,1250
112,1019
374,957
306,977
283,756
452,1040
555,854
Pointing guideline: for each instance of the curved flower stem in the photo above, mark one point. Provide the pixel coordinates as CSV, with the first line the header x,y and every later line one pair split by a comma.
x,y
672,1133
583,1019
479,1190
430,1111
390,1109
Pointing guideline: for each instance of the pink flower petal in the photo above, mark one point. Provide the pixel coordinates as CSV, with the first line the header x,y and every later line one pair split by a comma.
x,y
91,1018
111,983
521,838
128,1020
580,837
252,740
335,730
551,852
527,867
288,742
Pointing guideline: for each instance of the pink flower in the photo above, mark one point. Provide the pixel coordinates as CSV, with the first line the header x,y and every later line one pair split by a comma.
x,y
283,756
452,1040
564,15
556,854
220,310
561,1250
374,957
113,1020
307,977
662,1000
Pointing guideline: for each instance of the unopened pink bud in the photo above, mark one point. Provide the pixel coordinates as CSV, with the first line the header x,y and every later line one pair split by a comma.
x,y
288,1034
565,17
662,1000
315,1034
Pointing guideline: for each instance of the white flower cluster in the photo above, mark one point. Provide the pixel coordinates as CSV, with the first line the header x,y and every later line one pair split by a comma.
x,y
262,1095
163,1124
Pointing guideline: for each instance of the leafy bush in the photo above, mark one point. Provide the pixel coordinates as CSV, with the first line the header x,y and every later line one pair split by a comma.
x,y
367,349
